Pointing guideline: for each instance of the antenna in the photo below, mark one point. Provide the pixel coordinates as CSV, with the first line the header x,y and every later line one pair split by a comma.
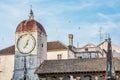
x,y
100,33
77,39
106,35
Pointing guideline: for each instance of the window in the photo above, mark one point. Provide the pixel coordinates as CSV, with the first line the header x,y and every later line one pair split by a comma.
x,y
79,57
87,77
42,44
59,56
96,55
86,49
101,78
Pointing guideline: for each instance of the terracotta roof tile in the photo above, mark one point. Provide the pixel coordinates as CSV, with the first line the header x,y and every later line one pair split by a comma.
x,y
56,45
8,51
89,45
27,25
75,65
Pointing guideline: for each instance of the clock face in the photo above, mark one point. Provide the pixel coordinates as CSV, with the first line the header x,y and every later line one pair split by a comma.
x,y
26,43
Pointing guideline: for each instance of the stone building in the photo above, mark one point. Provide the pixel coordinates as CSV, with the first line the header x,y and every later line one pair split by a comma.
x,y
6,63
7,55
89,51
96,51
58,50
79,69
30,48
115,48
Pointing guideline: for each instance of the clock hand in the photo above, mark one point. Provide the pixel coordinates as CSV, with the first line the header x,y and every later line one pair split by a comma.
x,y
26,43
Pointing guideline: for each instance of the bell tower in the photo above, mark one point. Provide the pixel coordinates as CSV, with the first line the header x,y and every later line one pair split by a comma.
x,y
30,48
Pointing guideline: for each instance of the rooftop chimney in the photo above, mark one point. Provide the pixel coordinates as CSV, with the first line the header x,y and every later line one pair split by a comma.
x,y
70,36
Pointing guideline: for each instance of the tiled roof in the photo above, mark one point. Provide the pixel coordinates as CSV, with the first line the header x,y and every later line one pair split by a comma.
x,y
27,25
56,45
75,65
88,45
102,42
8,51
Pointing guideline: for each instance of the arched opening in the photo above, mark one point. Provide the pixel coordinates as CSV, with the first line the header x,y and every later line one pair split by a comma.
x,y
87,77
101,77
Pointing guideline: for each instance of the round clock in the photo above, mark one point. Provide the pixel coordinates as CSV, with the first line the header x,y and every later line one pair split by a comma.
x,y
26,43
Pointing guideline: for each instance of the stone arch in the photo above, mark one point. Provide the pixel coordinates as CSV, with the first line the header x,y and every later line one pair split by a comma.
x,y
101,77
87,77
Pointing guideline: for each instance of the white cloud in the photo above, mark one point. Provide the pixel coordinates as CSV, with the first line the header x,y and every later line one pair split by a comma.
x,y
109,17
103,16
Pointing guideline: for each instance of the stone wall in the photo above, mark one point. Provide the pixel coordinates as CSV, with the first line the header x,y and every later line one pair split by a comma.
x,y
6,67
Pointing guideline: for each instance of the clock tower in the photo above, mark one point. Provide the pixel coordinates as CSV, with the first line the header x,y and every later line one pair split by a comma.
x,y
30,48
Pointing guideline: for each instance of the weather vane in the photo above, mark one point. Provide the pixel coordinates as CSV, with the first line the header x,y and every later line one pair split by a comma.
x,y
31,13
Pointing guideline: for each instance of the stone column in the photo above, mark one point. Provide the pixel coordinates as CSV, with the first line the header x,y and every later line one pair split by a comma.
x,y
78,78
42,78
60,78
117,77
96,78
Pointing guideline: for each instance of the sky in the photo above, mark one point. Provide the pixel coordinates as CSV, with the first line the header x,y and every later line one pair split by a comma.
x,y
85,19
